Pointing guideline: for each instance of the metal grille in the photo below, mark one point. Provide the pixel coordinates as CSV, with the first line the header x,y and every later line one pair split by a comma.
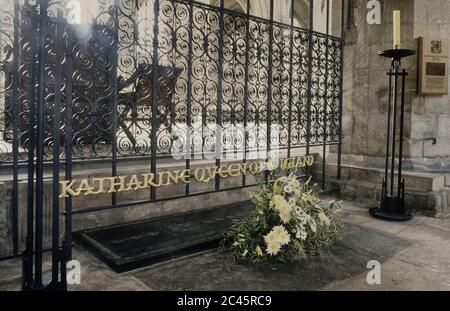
x,y
120,86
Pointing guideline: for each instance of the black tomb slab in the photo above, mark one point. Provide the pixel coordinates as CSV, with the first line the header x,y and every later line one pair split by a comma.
x,y
134,245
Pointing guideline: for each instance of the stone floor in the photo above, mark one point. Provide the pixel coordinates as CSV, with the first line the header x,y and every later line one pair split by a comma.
x,y
413,256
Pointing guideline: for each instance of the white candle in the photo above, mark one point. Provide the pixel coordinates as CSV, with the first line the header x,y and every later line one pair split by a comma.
x,y
396,23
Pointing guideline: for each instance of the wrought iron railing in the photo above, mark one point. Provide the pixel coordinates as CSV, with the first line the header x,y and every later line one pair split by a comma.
x,y
122,85
221,67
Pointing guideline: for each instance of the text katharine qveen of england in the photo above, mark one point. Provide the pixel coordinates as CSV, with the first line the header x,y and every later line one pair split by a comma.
x,y
115,184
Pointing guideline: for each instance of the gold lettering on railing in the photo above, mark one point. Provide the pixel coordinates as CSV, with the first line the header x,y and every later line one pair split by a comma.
x,y
107,185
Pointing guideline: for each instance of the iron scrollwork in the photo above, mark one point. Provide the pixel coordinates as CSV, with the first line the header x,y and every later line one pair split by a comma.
x,y
125,31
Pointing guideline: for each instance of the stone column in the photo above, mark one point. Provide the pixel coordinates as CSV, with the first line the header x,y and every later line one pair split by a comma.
x,y
366,82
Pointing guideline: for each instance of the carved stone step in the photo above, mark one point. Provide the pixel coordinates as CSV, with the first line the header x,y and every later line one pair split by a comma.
x,y
427,193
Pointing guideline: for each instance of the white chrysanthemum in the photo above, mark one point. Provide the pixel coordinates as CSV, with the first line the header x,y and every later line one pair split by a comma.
x,y
303,236
285,216
270,238
285,213
298,210
282,235
303,220
301,232
283,207
301,216
278,200
273,248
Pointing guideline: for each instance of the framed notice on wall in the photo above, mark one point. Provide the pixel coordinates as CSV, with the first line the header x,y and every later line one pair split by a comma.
x,y
433,66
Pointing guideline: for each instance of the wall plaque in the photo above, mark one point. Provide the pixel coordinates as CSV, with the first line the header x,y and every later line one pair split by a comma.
x,y
433,66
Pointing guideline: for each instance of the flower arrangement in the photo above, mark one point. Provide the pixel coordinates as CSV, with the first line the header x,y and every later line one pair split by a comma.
x,y
288,221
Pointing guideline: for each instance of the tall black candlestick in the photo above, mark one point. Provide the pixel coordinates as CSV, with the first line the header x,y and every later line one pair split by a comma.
x,y
392,205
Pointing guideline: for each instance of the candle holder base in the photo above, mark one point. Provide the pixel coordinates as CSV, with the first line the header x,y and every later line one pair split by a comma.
x,y
389,208
392,208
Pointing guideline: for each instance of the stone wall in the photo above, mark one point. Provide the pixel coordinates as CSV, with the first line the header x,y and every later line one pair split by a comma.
x,y
430,116
366,83
427,120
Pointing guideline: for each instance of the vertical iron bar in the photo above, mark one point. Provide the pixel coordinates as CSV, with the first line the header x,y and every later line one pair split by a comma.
x,y
394,125
28,256
291,69
16,126
155,66
343,18
40,144
189,93
56,150
325,103
68,143
341,91
269,87
247,53
402,121
219,95
309,91
388,137
115,95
